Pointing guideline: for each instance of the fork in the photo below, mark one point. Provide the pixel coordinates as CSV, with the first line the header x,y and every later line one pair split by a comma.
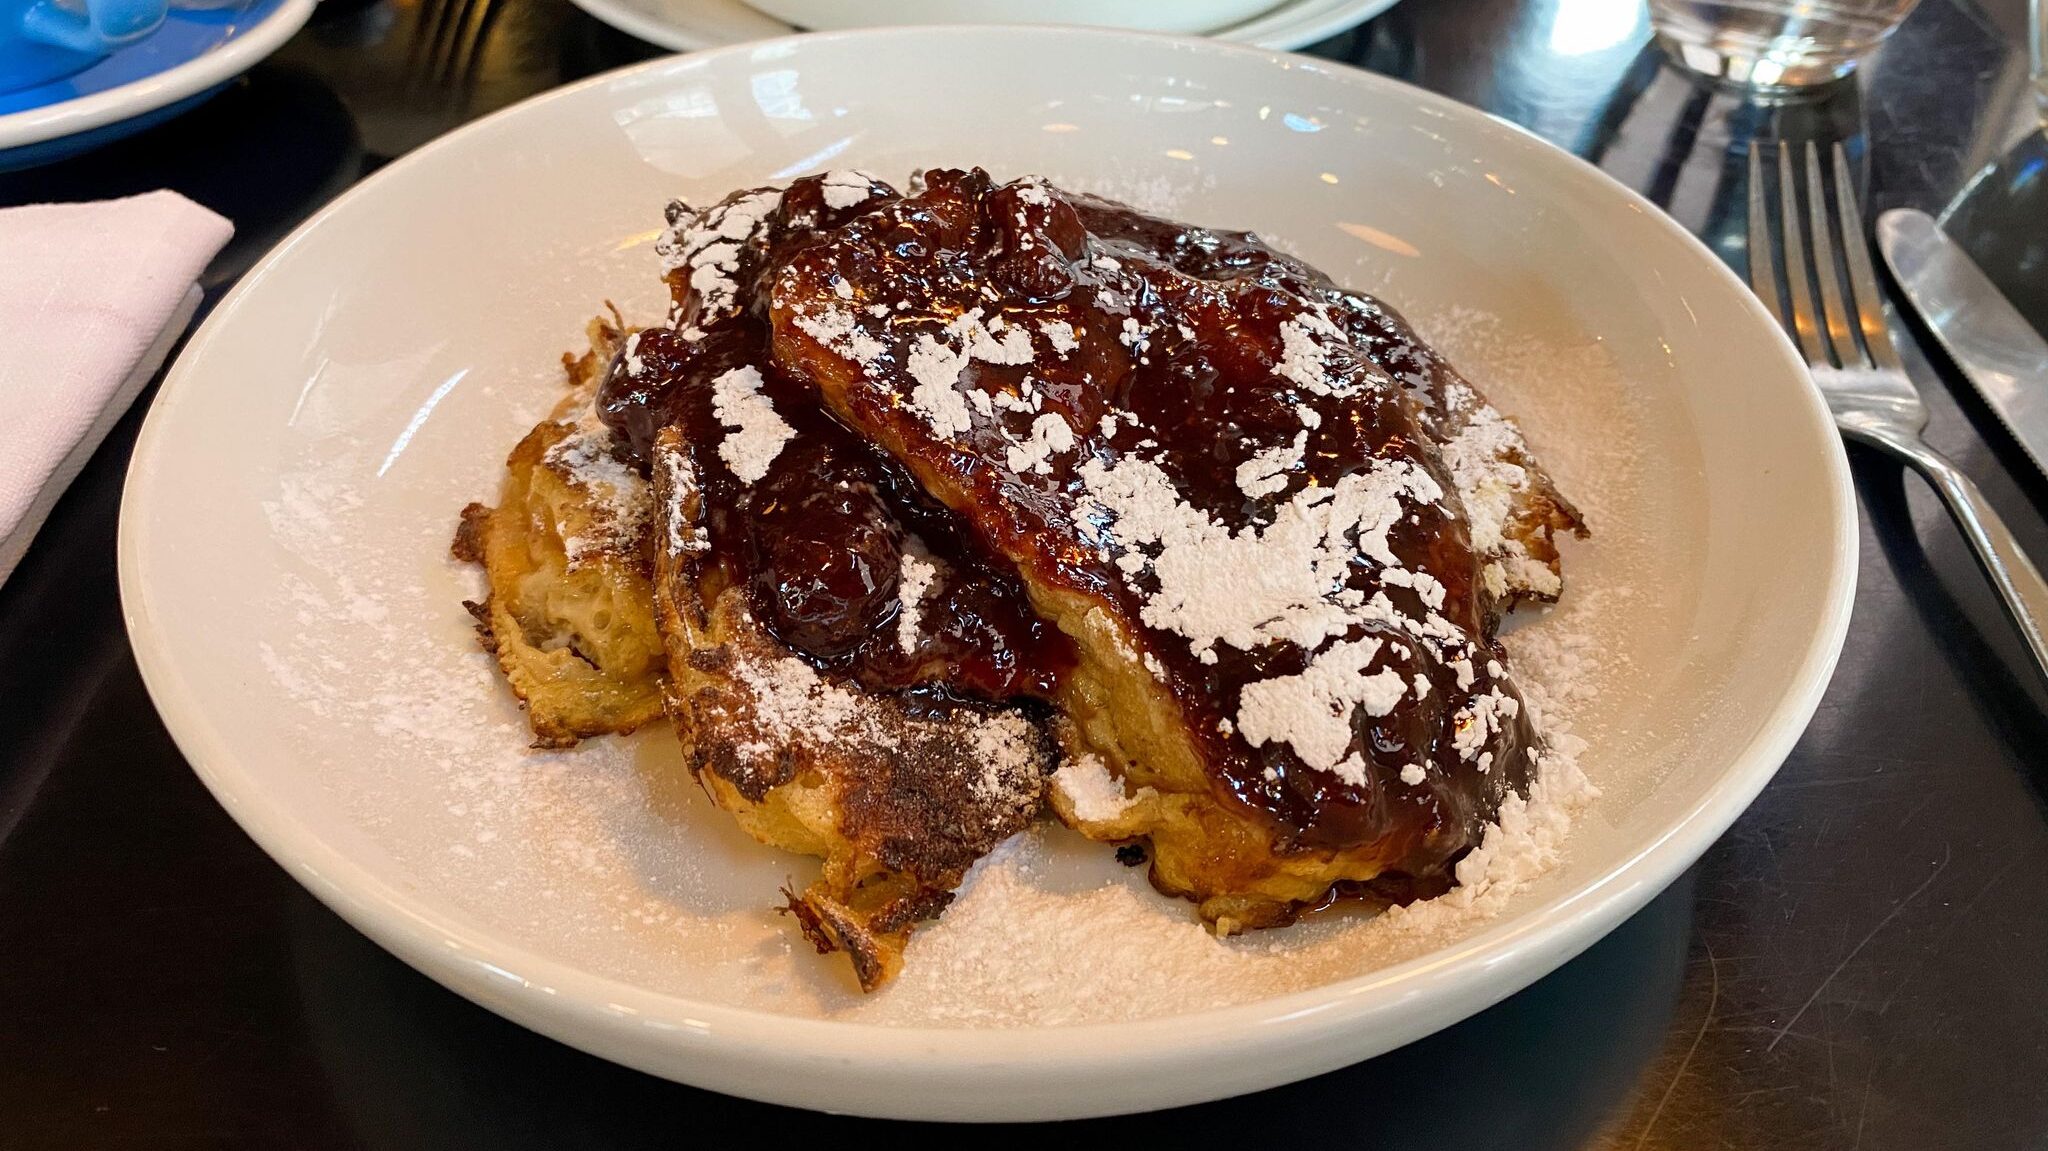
x,y
1849,353
448,42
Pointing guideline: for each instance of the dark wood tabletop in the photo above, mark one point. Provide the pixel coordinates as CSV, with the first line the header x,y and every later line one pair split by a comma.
x,y
1861,962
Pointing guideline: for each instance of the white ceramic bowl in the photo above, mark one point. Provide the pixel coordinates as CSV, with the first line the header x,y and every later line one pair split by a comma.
x,y
284,569
1144,15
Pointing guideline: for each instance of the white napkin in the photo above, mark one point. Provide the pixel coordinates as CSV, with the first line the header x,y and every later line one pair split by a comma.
x,y
92,296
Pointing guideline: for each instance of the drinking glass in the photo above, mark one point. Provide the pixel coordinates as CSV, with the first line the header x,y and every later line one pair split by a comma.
x,y
2037,16
1775,43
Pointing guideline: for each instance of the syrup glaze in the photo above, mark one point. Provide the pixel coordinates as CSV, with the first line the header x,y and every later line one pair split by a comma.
x,y
817,542
1179,335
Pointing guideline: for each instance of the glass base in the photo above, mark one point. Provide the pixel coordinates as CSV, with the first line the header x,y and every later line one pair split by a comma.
x,y
1750,69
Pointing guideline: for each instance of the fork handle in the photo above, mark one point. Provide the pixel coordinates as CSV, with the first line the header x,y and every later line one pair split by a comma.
x,y
2018,581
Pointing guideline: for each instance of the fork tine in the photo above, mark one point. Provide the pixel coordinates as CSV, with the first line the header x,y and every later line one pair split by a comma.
x,y
1825,268
1798,273
1763,272
1862,279
465,45
492,10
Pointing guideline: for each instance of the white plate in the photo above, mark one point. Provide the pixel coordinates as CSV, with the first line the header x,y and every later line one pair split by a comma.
x,y
690,25
225,50
1191,17
284,569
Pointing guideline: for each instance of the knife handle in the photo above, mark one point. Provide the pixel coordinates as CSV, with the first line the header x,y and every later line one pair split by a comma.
x,y
2018,581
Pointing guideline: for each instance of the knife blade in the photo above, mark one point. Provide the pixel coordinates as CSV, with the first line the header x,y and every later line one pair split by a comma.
x,y
1999,352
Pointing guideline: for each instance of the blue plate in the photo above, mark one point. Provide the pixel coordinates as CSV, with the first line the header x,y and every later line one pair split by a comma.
x,y
192,56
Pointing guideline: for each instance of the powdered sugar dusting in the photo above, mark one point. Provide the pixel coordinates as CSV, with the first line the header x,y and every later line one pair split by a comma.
x,y
1060,334
1006,748
757,432
936,396
839,330
1312,711
915,578
791,701
709,244
622,502
845,187
1091,792
1283,581
1033,191
1265,473
1305,360
683,537
1050,435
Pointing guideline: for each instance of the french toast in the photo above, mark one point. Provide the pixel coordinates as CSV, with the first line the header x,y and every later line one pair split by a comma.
x,y
921,514
1252,532
843,659
570,611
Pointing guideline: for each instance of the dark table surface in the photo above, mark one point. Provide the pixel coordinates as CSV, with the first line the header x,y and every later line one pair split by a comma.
x,y
1862,961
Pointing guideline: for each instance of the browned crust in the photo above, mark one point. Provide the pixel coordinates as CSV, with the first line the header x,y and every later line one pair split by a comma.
x,y
468,545
1541,513
872,939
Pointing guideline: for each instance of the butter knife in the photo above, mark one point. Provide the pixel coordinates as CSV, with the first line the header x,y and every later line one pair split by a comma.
x,y
2001,354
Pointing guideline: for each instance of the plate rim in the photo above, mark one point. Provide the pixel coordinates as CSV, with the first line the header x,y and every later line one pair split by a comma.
x,y
217,65
1288,26
507,977
1307,23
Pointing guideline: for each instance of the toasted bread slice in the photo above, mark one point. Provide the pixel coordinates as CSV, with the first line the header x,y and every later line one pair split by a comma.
x,y
570,611
1246,525
839,657
898,795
